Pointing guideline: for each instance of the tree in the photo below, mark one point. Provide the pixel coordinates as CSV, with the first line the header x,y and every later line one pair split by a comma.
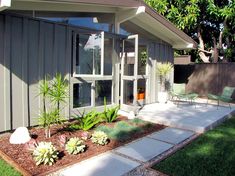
x,y
210,22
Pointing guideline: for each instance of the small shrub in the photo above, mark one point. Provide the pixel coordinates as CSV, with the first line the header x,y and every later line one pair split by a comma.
x,y
99,137
110,114
123,125
45,153
85,135
62,140
86,122
137,121
31,145
75,146
105,129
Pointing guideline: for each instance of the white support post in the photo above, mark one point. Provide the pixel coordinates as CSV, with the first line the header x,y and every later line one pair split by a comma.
x,y
102,53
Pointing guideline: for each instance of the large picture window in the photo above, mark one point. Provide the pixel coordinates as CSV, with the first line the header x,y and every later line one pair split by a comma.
x,y
92,69
88,54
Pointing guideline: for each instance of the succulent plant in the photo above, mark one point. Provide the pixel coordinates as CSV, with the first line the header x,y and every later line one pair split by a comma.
x,y
62,140
85,135
31,145
45,153
75,146
99,137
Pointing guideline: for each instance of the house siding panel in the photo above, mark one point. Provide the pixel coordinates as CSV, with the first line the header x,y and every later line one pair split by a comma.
x,y
30,49
2,110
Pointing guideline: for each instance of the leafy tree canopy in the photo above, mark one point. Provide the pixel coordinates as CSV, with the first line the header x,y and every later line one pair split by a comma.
x,y
210,22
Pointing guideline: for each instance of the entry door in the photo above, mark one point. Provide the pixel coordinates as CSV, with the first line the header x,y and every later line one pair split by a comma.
x,y
130,80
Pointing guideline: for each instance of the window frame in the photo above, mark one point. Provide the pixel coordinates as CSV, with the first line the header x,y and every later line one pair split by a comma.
x,y
76,75
92,78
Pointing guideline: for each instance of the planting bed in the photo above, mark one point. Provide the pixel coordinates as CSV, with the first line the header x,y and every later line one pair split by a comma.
x,y
23,161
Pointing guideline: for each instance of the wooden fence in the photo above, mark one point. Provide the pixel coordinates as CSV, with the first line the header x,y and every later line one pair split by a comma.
x,y
206,78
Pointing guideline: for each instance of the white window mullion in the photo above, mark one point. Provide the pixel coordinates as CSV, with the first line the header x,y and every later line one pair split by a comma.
x,y
102,53
74,52
93,94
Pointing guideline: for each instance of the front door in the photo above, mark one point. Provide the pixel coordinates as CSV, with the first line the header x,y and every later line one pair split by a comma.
x,y
133,74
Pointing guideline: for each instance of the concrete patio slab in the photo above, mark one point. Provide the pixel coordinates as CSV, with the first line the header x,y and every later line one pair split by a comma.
x,y
103,165
186,116
144,149
172,135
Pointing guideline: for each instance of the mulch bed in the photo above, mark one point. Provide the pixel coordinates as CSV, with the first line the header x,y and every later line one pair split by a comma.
x,y
23,159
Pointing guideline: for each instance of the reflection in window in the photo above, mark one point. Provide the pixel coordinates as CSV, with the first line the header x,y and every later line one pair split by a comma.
x,y
81,95
129,59
103,23
88,54
142,60
103,89
108,50
128,93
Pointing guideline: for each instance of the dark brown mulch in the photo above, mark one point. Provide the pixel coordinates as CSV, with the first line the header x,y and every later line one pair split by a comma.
x,y
24,158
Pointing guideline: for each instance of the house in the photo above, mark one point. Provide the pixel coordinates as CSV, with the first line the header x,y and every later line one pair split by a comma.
x,y
105,48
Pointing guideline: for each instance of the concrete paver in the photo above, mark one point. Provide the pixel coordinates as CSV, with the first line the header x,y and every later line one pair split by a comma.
x,y
172,135
144,149
106,164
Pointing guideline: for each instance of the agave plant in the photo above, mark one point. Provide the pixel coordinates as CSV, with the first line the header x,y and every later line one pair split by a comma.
x,y
75,146
99,137
110,114
87,121
45,153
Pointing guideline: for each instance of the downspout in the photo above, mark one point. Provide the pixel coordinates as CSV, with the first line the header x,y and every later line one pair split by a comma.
x,y
4,4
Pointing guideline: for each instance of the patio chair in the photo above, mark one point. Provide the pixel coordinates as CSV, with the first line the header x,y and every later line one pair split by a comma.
x,y
178,91
226,96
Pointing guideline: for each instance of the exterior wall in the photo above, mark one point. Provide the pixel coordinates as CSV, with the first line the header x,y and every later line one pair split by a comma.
x,y
159,52
29,50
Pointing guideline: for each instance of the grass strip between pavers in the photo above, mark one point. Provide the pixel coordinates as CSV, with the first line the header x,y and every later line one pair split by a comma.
x,y
212,154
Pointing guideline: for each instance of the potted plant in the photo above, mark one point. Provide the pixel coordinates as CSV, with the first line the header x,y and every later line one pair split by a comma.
x,y
163,70
141,94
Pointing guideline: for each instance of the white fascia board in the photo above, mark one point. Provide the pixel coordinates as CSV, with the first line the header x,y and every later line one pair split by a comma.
x,y
4,4
125,15
184,46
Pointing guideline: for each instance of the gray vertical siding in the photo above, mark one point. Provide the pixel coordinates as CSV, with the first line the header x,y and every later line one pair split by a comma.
x,y
29,50
164,52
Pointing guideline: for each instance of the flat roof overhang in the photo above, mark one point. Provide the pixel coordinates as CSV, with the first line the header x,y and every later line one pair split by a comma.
x,y
136,11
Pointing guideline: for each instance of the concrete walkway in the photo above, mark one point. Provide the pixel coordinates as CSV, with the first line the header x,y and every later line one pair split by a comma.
x,y
186,116
185,122
126,158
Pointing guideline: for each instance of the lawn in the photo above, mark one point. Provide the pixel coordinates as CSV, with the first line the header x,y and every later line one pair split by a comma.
x,y
6,169
212,154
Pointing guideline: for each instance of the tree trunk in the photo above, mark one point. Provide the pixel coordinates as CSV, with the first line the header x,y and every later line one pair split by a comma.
x,y
215,54
202,55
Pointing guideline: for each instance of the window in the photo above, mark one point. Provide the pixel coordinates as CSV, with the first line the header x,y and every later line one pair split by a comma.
x,y
88,54
103,89
92,69
81,95
108,53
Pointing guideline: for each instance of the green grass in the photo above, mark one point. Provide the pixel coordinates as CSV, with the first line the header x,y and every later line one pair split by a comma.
x,y
7,170
212,154
121,130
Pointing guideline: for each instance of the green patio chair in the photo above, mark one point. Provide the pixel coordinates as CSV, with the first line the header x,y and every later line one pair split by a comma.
x,y
226,96
179,93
